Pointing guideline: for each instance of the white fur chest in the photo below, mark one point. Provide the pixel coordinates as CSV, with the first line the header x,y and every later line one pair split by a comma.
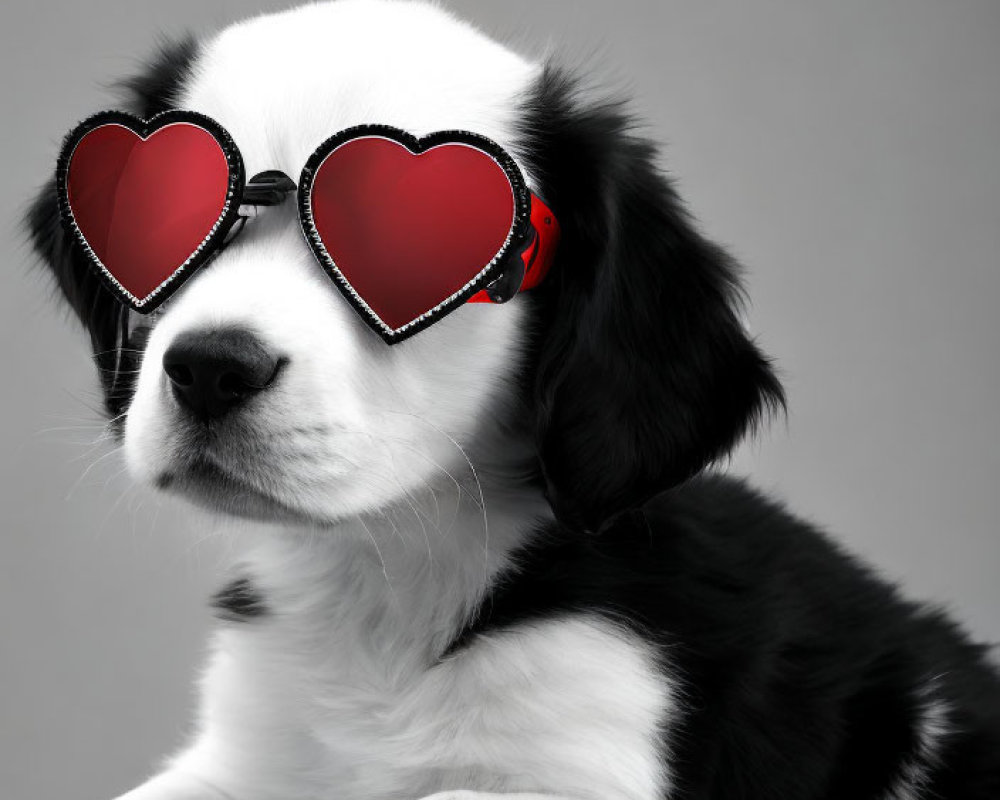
x,y
340,692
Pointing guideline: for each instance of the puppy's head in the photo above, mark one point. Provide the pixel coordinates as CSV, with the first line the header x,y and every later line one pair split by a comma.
x,y
257,389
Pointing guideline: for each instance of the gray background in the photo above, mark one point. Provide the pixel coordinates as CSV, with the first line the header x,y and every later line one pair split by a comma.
x,y
847,152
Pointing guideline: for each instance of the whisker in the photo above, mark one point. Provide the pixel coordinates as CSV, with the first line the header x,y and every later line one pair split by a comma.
x,y
406,496
385,571
131,488
475,475
87,471
383,438
98,353
96,426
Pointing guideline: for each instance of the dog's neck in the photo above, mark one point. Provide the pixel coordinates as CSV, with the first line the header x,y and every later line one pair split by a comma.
x,y
400,582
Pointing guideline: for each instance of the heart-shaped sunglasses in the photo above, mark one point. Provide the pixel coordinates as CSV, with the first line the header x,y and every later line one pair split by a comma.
x,y
408,228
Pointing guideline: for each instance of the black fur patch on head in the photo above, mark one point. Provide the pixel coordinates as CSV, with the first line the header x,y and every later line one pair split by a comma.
x,y
239,601
116,353
157,87
644,373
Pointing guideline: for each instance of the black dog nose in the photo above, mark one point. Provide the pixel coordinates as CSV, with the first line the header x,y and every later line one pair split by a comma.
x,y
213,371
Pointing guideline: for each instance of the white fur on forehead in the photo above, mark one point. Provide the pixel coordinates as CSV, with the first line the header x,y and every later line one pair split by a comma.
x,y
283,83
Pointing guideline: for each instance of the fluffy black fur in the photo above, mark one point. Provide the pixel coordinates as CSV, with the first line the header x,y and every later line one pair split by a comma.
x,y
801,674
644,372
239,601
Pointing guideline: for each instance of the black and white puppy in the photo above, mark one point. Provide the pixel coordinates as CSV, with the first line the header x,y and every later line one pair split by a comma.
x,y
488,561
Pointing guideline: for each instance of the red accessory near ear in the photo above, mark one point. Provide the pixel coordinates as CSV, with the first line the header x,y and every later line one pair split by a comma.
x,y
148,200
537,256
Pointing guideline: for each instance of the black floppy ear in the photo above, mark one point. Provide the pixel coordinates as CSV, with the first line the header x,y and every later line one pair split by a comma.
x,y
644,371
100,312
151,91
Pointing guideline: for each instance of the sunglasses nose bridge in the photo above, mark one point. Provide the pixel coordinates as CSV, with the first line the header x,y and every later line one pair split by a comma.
x,y
268,188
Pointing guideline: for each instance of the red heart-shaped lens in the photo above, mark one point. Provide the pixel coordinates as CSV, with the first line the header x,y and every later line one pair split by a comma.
x,y
147,199
410,228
